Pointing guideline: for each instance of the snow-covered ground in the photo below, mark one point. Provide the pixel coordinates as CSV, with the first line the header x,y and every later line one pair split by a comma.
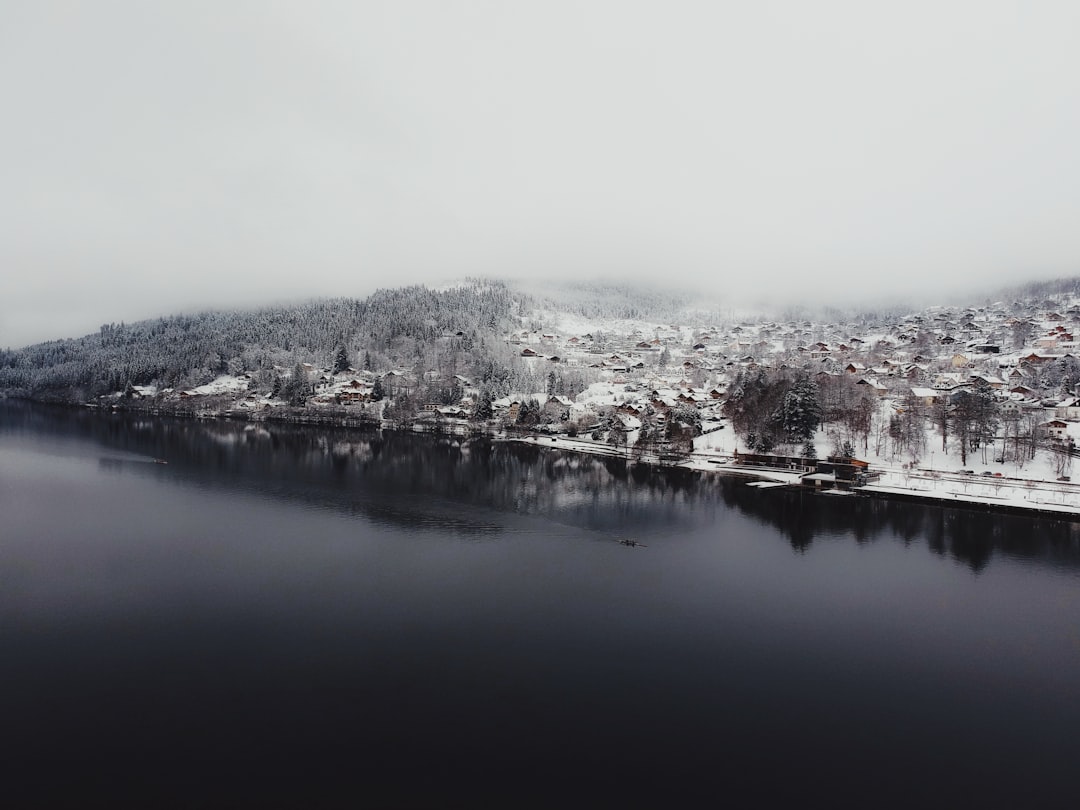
x,y
1001,493
225,384
988,485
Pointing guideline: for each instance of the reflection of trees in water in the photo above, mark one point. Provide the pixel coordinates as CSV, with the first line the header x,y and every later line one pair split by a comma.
x,y
394,476
420,480
968,536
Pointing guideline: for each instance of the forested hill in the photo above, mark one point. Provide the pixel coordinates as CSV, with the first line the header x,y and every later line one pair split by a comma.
x,y
407,327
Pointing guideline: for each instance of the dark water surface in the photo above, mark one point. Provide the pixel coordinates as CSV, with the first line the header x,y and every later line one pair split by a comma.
x,y
298,616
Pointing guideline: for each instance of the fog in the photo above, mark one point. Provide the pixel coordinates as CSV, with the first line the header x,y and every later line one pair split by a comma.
x,y
159,157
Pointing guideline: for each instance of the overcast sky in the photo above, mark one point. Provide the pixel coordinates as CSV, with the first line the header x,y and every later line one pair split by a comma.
x,y
164,156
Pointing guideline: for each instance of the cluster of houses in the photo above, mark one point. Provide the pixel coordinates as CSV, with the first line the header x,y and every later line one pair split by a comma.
x,y
923,359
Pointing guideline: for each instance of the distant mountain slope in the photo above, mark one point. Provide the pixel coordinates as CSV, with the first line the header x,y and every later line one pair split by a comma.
x,y
1039,289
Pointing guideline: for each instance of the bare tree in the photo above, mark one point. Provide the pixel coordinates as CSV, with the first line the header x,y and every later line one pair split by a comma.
x,y
1062,455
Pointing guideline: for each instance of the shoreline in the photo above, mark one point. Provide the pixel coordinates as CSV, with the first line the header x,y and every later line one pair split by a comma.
x,y
936,489
708,463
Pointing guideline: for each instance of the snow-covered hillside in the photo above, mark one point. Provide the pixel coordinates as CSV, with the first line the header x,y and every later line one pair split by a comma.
x,y
989,388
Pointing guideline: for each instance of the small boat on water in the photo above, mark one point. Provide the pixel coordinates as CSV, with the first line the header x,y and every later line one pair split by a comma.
x,y
627,541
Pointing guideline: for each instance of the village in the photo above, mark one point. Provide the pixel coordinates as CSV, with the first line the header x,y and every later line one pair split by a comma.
x,y
664,394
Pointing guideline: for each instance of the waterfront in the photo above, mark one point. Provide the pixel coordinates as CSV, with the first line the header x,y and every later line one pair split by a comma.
x,y
297,613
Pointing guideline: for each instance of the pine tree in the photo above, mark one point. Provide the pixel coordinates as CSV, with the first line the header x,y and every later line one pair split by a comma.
x,y
341,360
296,389
483,406
800,411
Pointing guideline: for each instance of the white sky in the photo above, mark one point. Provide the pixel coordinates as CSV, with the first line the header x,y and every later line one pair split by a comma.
x,y
163,156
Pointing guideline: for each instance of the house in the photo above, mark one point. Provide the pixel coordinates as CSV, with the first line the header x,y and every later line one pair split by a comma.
x,y
874,386
1056,429
353,396
1011,408
1068,409
1017,374
451,412
1035,359
557,407
948,382
988,380
910,371
925,396
506,408
397,382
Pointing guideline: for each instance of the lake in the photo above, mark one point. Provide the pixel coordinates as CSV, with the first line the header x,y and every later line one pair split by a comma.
x,y
298,616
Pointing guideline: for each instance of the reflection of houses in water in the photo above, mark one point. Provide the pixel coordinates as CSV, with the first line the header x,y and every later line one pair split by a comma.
x,y
428,483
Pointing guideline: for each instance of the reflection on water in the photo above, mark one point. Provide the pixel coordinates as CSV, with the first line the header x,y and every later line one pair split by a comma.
x,y
292,616
422,481
971,537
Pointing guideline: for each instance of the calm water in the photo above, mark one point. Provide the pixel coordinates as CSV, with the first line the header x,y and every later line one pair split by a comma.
x,y
303,616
